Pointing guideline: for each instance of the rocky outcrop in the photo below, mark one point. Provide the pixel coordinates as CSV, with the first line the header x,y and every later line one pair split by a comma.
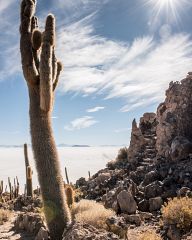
x,y
79,231
33,224
156,166
137,143
174,116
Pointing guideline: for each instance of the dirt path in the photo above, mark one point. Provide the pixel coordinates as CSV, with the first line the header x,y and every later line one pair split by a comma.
x,y
7,231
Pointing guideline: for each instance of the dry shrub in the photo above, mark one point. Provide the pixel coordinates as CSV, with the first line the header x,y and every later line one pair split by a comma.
x,y
178,211
120,159
4,216
122,154
149,235
91,212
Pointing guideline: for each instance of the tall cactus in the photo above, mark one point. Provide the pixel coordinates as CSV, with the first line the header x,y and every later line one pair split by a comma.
x,y
41,70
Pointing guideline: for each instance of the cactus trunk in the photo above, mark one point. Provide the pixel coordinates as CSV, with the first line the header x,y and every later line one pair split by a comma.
x,y
51,182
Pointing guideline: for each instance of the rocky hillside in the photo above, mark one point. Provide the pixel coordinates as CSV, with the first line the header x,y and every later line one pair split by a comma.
x,y
156,166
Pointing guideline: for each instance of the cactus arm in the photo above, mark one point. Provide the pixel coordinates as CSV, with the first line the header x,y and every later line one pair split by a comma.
x,y
28,63
54,66
36,40
59,69
46,86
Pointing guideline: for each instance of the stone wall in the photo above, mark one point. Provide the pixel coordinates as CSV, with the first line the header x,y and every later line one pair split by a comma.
x,y
174,116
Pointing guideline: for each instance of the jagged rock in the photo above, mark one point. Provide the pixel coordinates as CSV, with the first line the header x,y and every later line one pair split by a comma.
x,y
117,225
143,205
81,182
153,190
155,204
174,116
145,215
150,177
133,219
126,202
148,122
184,191
30,222
180,149
80,231
137,142
102,177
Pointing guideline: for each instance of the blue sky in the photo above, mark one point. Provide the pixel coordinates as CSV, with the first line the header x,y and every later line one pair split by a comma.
x,y
118,56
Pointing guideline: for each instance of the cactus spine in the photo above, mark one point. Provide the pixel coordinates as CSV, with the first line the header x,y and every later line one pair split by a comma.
x,y
41,71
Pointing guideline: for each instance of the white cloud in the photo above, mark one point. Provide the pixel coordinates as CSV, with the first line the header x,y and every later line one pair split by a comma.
x,y
139,72
80,123
95,109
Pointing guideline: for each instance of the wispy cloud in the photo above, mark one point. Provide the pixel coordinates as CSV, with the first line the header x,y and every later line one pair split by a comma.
x,y
80,123
95,109
138,72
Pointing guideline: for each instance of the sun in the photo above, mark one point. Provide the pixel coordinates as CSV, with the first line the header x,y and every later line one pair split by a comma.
x,y
170,9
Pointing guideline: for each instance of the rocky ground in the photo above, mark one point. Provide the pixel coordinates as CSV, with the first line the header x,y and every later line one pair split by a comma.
x,y
156,166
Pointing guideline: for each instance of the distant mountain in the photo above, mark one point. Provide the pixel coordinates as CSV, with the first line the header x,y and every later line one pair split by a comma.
x,y
63,145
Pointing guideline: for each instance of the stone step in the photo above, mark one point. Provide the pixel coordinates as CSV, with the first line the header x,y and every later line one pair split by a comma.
x,y
150,156
148,160
144,164
150,150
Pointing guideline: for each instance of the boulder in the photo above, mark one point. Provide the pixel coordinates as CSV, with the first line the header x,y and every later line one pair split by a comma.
x,y
150,177
183,192
143,205
154,189
181,147
117,225
102,177
126,202
133,219
155,204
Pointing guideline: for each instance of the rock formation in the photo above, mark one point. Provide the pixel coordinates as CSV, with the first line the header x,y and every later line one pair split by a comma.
x,y
158,163
174,129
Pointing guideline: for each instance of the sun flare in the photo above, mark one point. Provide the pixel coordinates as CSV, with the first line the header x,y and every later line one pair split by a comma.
x,y
170,9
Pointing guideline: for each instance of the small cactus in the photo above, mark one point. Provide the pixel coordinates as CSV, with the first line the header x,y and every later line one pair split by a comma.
x,y
1,188
66,175
89,173
69,192
10,188
29,182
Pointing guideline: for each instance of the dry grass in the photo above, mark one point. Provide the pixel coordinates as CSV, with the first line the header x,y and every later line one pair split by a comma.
x,y
149,235
4,216
91,212
178,211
